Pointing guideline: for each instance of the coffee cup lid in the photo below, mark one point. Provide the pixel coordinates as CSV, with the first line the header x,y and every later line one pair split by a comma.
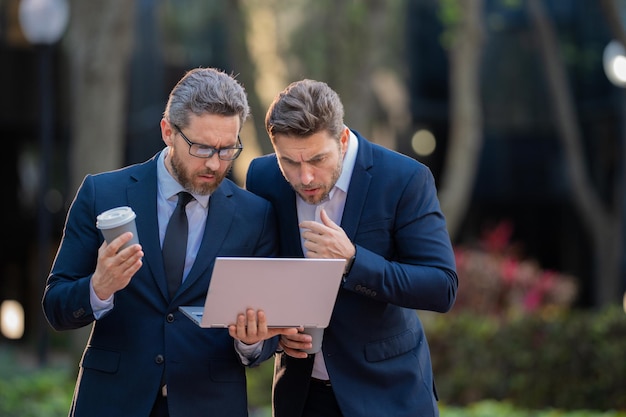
x,y
115,217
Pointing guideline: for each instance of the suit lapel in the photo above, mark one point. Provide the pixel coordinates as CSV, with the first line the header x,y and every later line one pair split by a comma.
x,y
290,242
359,187
142,197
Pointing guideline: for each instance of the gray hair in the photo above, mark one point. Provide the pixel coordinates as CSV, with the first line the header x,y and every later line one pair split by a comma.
x,y
304,108
206,91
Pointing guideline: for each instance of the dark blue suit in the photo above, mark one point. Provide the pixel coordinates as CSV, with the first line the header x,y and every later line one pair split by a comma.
x,y
375,348
129,348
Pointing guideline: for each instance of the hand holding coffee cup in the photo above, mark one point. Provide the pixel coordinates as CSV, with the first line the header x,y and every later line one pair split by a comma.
x,y
117,221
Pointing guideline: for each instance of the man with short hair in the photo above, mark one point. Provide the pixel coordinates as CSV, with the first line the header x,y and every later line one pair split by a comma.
x,y
337,195
144,357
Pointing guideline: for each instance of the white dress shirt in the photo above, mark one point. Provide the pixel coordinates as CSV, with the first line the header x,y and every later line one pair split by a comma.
x,y
334,206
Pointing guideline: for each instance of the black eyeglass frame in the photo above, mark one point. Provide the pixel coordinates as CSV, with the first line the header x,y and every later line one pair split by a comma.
x,y
211,149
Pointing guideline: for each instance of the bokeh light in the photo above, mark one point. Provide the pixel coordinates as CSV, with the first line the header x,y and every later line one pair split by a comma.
x,y
423,142
12,319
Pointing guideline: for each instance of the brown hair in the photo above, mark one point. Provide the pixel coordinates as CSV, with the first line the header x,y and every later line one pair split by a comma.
x,y
304,108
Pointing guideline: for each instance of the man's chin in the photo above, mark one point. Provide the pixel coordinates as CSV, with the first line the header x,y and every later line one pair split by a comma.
x,y
311,199
206,188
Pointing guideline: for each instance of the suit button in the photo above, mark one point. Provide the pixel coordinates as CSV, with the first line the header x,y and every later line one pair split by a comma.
x,y
79,313
159,359
170,318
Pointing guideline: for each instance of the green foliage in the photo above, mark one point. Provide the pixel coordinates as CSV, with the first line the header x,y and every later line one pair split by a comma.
x,y
499,409
45,392
570,361
513,335
450,13
260,385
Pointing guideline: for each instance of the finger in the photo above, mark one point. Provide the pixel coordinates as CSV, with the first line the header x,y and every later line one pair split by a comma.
x,y
135,266
296,340
251,323
283,331
312,226
232,331
135,256
262,328
326,220
296,353
309,245
240,332
118,242
132,250
130,264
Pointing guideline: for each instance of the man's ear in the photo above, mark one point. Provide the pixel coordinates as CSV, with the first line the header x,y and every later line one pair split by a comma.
x,y
344,140
167,132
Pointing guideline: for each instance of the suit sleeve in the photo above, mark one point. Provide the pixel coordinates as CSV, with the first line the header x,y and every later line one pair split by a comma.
x,y
66,299
415,267
251,177
268,243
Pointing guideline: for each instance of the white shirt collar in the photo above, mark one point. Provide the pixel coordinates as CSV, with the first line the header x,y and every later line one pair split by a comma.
x,y
349,160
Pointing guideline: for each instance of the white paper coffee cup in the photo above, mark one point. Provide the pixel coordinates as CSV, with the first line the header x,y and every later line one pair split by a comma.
x,y
317,334
117,221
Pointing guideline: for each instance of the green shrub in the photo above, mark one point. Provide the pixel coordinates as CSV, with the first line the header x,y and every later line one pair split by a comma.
x,y
572,360
490,408
260,388
26,392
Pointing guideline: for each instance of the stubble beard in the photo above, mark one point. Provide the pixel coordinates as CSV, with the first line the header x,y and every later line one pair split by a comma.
x,y
185,178
326,188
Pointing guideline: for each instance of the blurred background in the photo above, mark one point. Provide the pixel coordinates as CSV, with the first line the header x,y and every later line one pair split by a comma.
x,y
517,106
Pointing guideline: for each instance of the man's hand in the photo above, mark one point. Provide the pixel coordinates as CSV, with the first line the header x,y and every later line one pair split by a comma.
x,y
115,269
326,240
251,328
293,344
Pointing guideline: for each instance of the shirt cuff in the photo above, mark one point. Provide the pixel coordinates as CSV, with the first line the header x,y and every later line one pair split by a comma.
x,y
99,307
248,353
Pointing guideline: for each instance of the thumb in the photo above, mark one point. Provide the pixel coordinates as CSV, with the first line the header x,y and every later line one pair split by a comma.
x,y
327,221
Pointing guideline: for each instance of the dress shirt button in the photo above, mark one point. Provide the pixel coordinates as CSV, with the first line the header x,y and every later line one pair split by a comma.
x,y
169,318
159,359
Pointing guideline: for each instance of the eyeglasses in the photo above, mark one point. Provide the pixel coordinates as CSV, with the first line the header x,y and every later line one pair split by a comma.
x,y
204,151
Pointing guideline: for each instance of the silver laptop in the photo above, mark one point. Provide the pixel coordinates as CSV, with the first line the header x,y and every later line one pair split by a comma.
x,y
292,292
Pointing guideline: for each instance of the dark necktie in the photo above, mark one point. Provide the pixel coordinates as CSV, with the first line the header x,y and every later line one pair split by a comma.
x,y
175,244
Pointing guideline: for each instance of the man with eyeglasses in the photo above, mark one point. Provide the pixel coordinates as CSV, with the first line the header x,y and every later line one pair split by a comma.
x,y
144,358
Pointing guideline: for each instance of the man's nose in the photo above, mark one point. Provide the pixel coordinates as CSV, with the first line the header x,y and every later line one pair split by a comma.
x,y
306,174
213,163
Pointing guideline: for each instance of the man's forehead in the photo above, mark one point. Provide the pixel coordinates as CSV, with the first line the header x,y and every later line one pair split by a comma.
x,y
303,149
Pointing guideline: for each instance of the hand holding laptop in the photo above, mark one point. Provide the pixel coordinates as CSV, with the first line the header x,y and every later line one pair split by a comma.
x,y
270,291
251,328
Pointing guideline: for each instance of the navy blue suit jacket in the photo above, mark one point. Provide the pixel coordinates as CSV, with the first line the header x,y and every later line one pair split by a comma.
x,y
129,348
375,348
